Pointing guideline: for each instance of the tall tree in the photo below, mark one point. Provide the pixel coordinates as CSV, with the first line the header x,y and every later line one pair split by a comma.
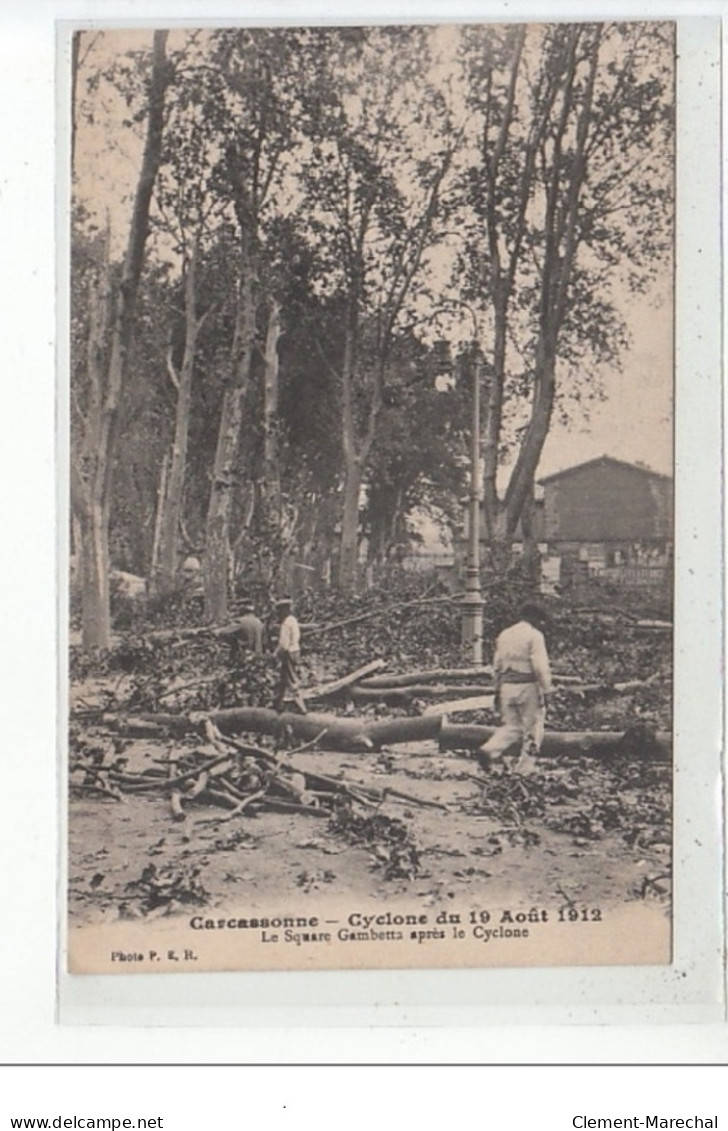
x,y
568,203
256,98
416,469
375,191
112,305
188,209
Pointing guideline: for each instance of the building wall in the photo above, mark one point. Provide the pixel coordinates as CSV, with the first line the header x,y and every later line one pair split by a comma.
x,y
609,503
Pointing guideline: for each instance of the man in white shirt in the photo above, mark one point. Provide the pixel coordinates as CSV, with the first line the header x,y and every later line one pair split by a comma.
x,y
522,680
288,653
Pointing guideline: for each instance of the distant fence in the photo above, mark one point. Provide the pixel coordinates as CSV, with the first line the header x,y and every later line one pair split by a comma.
x,y
428,560
624,576
634,577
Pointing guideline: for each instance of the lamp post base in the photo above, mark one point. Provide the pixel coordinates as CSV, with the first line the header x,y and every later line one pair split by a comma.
x,y
472,623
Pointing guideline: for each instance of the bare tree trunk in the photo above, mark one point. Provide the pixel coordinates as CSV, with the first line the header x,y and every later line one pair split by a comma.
x,y
96,616
164,571
158,518
560,247
123,324
76,544
520,485
492,427
501,517
531,558
217,540
349,551
93,471
349,545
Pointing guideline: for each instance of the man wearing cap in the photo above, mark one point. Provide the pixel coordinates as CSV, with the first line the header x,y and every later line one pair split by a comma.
x,y
522,680
288,653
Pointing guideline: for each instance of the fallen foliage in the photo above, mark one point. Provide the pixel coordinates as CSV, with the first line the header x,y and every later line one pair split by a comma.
x,y
388,839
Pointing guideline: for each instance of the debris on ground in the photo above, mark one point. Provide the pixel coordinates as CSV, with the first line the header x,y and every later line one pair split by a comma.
x,y
163,890
388,839
203,802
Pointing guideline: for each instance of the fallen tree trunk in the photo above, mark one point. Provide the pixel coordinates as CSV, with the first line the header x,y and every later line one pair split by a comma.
x,y
162,634
333,733
337,685
403,694
433,675
636,742
429,675
640,684
398,695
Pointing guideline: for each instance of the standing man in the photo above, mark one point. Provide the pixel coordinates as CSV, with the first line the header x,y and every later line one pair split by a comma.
x,y
288,653
248,635
522,681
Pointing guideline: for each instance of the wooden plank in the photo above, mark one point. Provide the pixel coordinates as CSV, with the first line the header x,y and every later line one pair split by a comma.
x,y
473,703
336,685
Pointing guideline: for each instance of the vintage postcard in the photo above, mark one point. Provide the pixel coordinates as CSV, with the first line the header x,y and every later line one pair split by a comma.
x,y
371,373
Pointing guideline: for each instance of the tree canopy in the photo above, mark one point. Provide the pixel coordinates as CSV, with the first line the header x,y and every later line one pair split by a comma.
x,y
335,222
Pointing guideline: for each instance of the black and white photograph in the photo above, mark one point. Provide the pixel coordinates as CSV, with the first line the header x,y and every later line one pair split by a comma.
x,y
370,519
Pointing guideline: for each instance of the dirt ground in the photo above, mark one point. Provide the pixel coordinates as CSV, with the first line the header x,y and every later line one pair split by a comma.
x,y
577,831
581,833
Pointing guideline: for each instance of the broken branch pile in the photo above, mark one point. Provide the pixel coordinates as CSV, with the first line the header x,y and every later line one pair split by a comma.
x,y
241,778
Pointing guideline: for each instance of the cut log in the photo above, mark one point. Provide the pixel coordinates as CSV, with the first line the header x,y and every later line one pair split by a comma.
x,y
241,807
404,695
655,625
637,742
199,786
346,681
333,733
428,675
175,803
477,703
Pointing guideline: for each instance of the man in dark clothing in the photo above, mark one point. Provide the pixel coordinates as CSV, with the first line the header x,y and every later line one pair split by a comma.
x,y
250,629
247,636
